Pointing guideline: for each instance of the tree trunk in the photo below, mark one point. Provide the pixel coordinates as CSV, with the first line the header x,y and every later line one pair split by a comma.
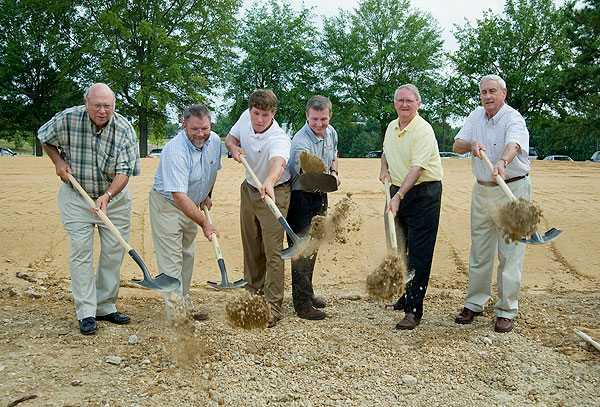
x,y
143,128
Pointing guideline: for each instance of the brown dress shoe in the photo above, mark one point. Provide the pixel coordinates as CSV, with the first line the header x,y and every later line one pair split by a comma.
x,y
200,316
466,316
273,322
503,325
410,321
311,313
317,302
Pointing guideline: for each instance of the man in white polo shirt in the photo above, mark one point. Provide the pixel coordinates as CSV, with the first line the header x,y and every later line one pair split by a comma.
x,y
257,136
500,131
183,184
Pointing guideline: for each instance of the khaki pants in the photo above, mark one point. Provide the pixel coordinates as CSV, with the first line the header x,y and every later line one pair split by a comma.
x,y
173,235
486,240
262,240
94,295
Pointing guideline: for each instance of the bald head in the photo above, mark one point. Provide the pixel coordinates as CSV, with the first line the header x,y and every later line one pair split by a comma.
x,y
99,103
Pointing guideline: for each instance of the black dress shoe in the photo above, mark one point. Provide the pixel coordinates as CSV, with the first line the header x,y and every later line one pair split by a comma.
x,y
115,318
317,302
88,325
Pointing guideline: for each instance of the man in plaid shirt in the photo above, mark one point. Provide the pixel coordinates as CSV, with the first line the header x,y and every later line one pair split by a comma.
x,y
99,148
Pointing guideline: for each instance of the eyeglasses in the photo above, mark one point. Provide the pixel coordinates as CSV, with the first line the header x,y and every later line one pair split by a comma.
x,y
96,108
403,101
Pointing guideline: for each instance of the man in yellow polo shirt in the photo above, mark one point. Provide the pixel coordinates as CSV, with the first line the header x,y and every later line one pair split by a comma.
x,y
411,162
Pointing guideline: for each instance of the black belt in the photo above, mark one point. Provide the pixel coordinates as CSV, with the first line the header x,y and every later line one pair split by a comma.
x,y
493,184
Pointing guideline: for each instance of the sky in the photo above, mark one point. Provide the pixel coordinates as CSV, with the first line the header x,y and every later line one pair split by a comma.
x,y
446,12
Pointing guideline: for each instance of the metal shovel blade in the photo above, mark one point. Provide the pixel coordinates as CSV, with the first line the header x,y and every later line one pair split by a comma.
x,y
312,182
162,282
549,236
225,284
298,243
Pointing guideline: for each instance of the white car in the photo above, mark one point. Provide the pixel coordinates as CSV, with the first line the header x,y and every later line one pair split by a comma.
x,y
155,153
595,157
558,158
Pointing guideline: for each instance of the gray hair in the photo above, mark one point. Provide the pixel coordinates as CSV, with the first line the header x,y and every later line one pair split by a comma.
x,y
198,110
496,78
410,87
318,102
86,94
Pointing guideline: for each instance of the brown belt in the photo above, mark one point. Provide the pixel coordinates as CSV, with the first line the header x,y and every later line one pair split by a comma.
x,y
493,184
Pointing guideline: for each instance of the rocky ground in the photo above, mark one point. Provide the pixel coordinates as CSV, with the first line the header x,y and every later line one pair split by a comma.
x,y
352,358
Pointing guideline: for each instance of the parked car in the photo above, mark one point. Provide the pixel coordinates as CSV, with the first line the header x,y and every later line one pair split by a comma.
x,y
533,154
373,154
449,154
154,153
558,158
595,157
7,152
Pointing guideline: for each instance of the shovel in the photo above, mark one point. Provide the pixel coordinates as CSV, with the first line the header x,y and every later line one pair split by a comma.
x,y
536,238
389,217
162,282
298,244
312,182
224,280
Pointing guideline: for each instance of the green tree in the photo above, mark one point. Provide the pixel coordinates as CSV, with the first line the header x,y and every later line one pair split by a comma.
x,y
582,80
527,46
381,45
278,52
39,56
160,53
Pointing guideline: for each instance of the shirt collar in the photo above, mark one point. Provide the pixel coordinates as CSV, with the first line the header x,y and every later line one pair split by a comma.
x,y
498,114
408,128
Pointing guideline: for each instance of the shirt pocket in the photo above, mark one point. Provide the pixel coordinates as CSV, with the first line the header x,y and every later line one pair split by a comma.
x,y
107,165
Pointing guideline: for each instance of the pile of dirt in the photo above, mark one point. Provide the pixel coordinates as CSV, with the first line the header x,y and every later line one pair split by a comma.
x,y
387,281
518,219
311,163
247,310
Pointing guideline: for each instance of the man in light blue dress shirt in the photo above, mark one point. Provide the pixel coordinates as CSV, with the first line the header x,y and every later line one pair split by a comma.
x,y
183,184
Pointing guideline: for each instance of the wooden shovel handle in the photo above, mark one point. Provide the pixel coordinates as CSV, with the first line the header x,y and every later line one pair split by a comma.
x,y
100,214
213,236
268,199
499,179
390,218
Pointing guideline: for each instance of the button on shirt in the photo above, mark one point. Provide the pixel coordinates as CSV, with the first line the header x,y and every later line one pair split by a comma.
x,y
95,157
494,134
306,140
186,168
413,145
261,147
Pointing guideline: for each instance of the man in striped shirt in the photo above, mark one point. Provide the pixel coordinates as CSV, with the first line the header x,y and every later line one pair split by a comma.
x,y
183,185
99,148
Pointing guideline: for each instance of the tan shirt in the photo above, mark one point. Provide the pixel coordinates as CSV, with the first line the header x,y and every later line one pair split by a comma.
x,y
414,145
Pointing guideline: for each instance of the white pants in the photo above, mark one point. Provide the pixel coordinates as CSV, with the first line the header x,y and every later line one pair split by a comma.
x,y
486,240
173,235
94,295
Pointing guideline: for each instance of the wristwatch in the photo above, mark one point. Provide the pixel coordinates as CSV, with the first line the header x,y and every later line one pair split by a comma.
x,y
109,196
505,162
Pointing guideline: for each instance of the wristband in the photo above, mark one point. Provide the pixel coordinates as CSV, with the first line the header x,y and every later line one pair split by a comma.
x,y
336,172
109,196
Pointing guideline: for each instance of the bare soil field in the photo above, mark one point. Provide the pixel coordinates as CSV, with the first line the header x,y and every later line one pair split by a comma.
x,y
352,358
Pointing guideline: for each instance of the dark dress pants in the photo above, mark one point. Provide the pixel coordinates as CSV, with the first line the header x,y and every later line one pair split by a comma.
x,y
303,207
417,223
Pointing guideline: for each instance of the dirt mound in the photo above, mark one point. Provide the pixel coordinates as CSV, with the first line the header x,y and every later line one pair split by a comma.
x,y
311,163
387,281
247,310
518,219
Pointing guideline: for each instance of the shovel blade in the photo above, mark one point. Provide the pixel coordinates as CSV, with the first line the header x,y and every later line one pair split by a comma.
x,y
225,285
317,182
162,282
549,236
298,246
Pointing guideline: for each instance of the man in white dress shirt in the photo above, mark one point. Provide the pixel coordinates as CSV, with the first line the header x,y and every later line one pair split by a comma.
x,y
500,131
